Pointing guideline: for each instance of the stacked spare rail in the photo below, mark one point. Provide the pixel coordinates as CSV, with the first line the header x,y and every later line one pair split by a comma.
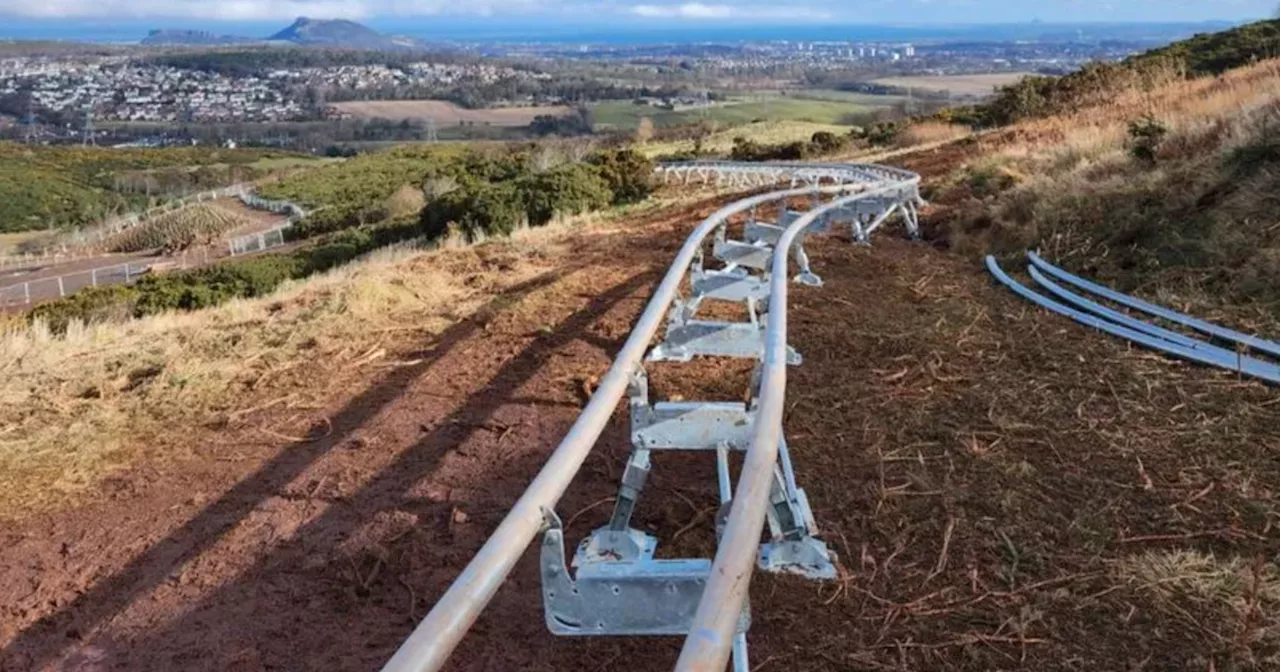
x,y
1144,332
614,585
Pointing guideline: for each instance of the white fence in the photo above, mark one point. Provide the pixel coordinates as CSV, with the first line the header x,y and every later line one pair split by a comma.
x,y
62,285
257,242
58,286
52,287
273,237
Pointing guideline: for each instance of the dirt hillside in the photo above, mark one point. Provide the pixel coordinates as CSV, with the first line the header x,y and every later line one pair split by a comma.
x,y
1006,491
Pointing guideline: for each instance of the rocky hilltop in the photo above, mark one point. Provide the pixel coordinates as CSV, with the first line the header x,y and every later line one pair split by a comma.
x,y
339,33
305,32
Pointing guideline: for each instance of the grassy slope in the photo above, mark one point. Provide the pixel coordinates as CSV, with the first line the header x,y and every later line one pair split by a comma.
x,y
78,408
1196,228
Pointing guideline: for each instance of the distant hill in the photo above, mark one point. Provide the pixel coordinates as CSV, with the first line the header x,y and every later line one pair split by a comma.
x,y
304,32
339,33
191,37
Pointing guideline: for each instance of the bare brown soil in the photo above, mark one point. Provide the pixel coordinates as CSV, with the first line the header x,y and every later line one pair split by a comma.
x,y
446,113
998,483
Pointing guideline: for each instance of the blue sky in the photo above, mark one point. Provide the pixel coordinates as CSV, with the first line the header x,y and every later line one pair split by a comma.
x,y
666,12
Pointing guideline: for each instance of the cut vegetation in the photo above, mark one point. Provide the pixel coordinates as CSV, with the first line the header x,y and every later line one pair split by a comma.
x,y
198,223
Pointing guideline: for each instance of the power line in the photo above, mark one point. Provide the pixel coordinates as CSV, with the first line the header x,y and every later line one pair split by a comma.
x,y
29,133
87,137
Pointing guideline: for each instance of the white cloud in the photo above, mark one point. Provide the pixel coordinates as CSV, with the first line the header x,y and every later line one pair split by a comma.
x,y
689,10
698,11
252,10
858,11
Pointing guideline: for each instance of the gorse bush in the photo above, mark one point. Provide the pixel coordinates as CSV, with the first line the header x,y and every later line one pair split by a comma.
x,y
1209,54
568,190
495,208
1145,136
53,187
628,174
489,192
483,195
207,287
820,144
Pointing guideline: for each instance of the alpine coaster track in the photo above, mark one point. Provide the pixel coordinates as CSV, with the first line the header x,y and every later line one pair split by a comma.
x,y
616,587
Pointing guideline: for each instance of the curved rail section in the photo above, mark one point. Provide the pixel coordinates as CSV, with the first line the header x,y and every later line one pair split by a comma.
x,y
619,588
1093,314
1252,342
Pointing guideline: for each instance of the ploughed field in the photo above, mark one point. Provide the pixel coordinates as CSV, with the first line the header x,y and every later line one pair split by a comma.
x,y
445,113
1005,489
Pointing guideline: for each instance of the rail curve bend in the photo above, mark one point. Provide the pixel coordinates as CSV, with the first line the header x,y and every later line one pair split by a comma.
x,y
620,589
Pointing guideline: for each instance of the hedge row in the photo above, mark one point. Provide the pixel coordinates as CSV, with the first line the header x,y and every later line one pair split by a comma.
x,y
823,143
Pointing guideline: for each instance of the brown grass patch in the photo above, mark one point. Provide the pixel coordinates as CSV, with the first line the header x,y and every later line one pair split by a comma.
x,y
445,113
974,86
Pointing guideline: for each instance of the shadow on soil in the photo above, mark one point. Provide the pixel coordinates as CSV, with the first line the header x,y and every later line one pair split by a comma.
x,y
49,638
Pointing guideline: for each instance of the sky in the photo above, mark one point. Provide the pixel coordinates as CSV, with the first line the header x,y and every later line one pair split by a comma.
x,y
667,12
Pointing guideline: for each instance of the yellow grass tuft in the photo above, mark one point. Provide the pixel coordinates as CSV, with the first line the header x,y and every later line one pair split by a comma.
x,y
1236,602
929,132
76,408
408,200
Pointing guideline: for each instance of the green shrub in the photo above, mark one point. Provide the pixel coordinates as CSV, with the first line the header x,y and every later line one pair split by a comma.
x,y
826,142
567,190
202,288
628,173
92,304
1145,136
883,133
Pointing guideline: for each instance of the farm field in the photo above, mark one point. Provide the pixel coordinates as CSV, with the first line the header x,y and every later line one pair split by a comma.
x,y
833,95
763,132
626,115
960,86
446,113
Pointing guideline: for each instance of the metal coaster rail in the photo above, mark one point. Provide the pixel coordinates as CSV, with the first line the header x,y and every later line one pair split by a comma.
x,y
864,196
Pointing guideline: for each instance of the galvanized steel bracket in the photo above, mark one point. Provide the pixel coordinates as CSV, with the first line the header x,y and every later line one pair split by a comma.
x,y
682,425
686,340
639,596
807,557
